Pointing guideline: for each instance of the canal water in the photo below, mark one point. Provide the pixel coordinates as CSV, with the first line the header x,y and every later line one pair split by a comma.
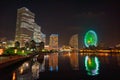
x,y
61,66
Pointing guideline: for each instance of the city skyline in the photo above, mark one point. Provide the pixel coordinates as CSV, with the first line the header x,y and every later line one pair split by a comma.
x,y
66,19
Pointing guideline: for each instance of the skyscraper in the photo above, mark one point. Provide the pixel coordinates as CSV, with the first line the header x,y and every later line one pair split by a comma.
x,y
38,36
53,41
74,42
24,25
26,28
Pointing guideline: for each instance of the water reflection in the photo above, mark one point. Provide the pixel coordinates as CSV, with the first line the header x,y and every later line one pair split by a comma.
x,y
118,59
92,65
38,66
24,71
74,61
53,62
36,70
68,62
14,76
29,70
24,68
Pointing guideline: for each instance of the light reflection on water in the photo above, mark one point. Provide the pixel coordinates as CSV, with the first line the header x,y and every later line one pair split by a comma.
x,y
89,63
92,65
14,76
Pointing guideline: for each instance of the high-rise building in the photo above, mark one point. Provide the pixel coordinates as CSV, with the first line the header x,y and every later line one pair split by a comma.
x,y
38,36
74,42
43,37
26,28
53,41
24,25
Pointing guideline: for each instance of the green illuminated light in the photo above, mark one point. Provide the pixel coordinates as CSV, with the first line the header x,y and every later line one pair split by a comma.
x,y
90,38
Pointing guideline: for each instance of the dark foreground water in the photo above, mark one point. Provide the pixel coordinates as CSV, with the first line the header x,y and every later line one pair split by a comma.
x,y
61,66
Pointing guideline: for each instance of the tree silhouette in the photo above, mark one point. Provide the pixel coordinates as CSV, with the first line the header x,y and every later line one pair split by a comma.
x,y
27,45
32,44
17,44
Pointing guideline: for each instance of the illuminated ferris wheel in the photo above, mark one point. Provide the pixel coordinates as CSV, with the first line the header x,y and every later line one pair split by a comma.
x,y
90,38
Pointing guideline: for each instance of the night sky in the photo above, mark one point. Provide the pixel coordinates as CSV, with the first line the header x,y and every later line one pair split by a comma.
x,y
66,18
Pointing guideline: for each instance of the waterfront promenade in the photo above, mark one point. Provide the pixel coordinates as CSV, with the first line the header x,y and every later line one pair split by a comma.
x,y
9,60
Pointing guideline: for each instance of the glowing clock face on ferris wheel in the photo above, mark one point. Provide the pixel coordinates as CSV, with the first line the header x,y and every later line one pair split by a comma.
x,y
90,38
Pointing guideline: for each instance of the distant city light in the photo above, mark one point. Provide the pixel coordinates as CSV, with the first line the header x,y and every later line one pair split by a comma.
x,y
90,38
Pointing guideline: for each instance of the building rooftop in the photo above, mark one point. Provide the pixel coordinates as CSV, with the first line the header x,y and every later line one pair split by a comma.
x,y
54,35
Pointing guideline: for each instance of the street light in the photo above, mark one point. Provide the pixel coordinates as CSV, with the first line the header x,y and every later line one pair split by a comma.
x,y
15,51
23,51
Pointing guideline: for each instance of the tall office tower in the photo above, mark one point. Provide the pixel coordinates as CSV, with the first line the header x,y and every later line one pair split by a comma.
x,y
24,25
38,36
74,42
43,37
53,41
